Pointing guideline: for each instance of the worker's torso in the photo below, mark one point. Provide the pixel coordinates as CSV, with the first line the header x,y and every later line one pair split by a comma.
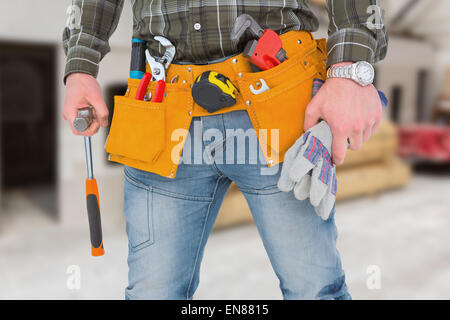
x,y
200,29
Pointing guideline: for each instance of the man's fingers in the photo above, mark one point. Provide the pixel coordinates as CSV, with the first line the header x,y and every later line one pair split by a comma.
x,y
75,132
312,114
93,129
83,91
101,111
367,134
339,148
375,127
70,118
356,141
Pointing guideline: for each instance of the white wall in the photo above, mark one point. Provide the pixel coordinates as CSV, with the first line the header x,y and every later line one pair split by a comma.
x,y
404,59
441,67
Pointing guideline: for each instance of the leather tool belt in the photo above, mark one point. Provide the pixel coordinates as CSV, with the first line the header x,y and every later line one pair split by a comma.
x,y
150,135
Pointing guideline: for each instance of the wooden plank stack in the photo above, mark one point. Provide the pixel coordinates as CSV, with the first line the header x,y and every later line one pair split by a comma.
x,y
375,167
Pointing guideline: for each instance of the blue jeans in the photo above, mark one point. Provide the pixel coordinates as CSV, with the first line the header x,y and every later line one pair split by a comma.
x,y
169,220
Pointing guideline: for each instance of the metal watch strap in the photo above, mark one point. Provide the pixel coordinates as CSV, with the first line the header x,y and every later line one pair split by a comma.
x,y
340,72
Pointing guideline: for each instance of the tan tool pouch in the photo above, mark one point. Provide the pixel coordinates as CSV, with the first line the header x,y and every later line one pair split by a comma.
x,y
141,130
278,113
150,136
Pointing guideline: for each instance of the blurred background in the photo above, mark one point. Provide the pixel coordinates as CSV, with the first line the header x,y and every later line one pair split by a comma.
x,y
393,212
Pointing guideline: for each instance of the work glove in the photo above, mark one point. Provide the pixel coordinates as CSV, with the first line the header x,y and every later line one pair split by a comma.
x,y
309,171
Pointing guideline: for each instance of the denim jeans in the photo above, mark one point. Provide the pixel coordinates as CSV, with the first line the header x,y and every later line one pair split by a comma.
x,y
169,220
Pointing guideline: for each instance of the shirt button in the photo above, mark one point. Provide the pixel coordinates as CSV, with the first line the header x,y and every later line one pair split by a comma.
x,y
197,26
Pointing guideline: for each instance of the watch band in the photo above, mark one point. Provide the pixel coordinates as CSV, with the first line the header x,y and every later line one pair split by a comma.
x,y
340,72
361,72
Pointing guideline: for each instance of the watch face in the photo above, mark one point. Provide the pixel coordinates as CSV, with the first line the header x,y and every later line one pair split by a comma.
x,y
365,73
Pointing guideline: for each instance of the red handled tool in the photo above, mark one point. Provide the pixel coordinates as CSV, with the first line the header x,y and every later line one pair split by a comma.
x,y
159,91
159,75
266,52
158,72
143,84
159,65
81,123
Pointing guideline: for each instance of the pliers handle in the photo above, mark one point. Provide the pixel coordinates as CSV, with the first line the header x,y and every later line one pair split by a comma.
x,y
159,91
143,85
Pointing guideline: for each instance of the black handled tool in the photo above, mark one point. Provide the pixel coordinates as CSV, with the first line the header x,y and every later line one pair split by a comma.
x,y
81,123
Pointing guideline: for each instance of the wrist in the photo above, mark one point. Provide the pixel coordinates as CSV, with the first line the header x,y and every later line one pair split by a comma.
x,y
77,76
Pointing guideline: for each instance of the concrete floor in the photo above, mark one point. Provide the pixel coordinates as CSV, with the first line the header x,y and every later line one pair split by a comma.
x,y
404,233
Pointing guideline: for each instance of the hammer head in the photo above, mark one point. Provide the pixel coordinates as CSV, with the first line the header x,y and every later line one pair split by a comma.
x,y
83,120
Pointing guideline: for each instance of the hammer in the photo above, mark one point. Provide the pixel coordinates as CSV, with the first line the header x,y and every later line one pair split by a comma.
x,y
81,123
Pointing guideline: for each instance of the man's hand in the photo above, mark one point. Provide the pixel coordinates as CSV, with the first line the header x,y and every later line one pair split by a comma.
x,y
353,112
82,91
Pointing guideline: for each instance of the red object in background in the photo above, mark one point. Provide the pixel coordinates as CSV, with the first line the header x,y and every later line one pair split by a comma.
x,y
425,142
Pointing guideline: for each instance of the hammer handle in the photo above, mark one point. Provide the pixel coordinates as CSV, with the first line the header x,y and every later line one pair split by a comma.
x,y
81,123
95,223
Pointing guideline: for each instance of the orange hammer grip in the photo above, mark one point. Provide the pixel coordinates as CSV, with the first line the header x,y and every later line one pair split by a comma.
x,y
95,224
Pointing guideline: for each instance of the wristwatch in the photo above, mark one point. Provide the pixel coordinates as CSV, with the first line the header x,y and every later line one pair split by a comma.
x,y
361,72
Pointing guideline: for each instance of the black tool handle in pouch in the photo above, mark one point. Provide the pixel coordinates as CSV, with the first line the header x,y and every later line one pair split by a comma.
x,y
138,60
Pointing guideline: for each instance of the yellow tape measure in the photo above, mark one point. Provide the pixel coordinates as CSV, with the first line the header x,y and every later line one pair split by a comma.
x,y
214,91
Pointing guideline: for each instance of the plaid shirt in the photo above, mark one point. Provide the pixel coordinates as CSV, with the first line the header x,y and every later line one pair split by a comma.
x,y
200,29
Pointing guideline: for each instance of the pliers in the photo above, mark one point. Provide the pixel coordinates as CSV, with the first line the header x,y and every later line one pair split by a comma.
x,y
155,75
158,71
158,75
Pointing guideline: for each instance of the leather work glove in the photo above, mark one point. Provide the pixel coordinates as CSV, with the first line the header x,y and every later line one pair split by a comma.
x,y
309,171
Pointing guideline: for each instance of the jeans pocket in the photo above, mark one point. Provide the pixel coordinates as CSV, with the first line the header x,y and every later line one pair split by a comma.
x,y
138,208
